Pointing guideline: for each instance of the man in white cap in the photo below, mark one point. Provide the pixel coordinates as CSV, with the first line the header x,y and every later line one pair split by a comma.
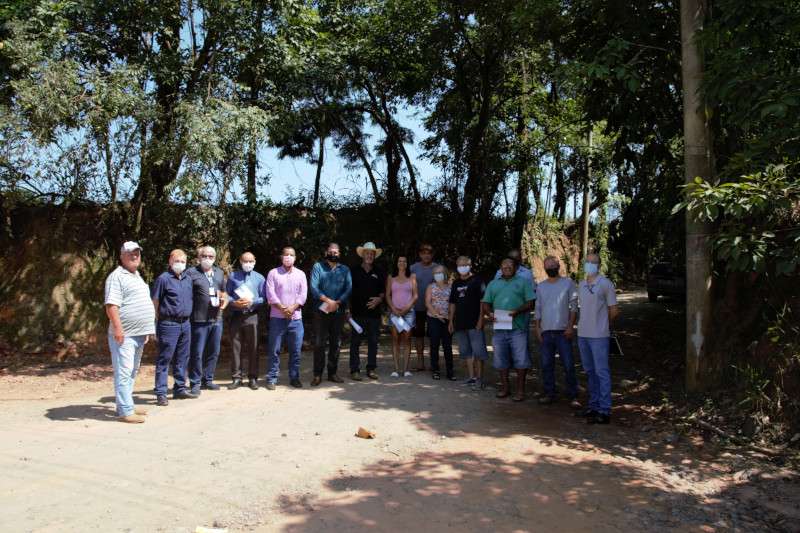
x,y
364,308
131,323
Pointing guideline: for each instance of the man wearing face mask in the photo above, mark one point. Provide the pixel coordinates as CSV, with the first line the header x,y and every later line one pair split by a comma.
x,y
364,308
331,285
172,298
555,314
245,288
598,305
466,321
210,299
286,293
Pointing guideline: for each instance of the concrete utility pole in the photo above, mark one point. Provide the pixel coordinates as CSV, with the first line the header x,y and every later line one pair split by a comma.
x,y
698,162
585,228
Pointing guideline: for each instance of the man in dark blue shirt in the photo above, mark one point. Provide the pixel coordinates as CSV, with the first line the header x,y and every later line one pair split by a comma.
x,y
172,298
246,289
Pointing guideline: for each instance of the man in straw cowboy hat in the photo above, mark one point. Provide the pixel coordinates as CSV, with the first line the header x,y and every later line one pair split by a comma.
x,y
364,308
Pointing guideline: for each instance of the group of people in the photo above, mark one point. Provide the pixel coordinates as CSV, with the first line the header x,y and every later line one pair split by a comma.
x,y
184,310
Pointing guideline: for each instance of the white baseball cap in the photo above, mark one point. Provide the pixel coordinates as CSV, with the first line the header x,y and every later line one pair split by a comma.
x,y
130,246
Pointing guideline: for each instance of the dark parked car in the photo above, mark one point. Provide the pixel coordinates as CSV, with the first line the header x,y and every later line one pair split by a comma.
x,y
666,279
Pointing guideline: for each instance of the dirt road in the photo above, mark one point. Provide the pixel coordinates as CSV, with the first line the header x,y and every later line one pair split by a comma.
x,y
445,457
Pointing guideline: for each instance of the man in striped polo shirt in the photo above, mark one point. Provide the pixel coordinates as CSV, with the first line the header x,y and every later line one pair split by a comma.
x,y
131,322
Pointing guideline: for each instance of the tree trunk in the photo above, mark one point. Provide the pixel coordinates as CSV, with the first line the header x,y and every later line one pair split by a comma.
x,y
252,167
698,162
585,216
320,161
560,203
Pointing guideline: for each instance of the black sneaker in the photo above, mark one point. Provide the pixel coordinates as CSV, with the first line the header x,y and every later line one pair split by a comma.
x,y
586,413
599,418
162,401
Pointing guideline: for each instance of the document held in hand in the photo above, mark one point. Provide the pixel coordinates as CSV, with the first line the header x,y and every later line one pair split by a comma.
x,y
503,319
244,293
356,326
400,324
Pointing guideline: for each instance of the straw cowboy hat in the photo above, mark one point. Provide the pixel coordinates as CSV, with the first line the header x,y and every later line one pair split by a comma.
x,y
368,246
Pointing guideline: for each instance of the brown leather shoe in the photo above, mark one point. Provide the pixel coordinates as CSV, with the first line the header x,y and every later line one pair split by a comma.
x,y
140,411
335,378
132,419
372,375
355,376
316,381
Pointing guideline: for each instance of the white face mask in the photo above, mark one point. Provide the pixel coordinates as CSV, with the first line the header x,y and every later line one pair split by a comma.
x,y
439,277
288,260
463,270
178,267
247,267
206,263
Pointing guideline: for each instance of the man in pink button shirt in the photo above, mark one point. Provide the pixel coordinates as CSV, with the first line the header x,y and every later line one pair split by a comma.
x,y
286,291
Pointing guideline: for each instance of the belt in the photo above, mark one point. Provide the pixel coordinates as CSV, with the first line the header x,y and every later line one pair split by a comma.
x,y
553,331
245,313
178,319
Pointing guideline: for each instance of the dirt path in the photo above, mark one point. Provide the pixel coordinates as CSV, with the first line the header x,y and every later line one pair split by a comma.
x,y
444,457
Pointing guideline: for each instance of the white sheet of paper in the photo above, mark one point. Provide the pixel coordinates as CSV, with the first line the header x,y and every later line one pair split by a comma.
x,y
504,319
324,307
400,324
356,326
244,292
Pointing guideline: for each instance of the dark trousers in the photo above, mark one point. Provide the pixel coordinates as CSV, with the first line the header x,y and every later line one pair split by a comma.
x,y
244,331
174,339
439,334
371,327
205,351
328,330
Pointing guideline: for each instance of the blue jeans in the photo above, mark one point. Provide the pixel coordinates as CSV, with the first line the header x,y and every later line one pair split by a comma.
x,y
327,326
174,339
472,344
510,349
556,342
205,351
126,358
439,334
292,331
594,355
371,327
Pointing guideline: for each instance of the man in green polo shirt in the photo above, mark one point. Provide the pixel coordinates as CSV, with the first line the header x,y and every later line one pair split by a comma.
x,y
506,301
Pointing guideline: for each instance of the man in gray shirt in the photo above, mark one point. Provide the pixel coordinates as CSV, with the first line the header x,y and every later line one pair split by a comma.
x,y
598,302
423,269
556,310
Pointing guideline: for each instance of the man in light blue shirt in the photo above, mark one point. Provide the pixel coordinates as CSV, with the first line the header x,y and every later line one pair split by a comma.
x,y
331,285
245,289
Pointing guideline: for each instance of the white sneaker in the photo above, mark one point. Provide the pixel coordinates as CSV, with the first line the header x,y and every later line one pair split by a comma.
x,y
407,374
395,375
